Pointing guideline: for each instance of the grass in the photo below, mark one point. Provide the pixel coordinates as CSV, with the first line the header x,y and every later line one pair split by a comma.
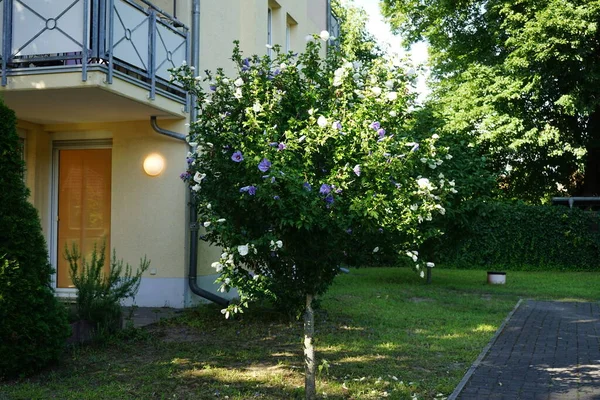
x,y
380,333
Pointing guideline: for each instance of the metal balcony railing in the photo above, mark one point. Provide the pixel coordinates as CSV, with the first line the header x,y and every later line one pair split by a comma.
x,y
118,37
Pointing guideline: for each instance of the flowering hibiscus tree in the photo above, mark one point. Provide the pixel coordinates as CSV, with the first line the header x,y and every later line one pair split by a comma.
x,y
297,155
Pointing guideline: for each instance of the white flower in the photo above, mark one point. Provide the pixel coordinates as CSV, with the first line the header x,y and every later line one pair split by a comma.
x,y
453,191
389,84
238,82
193,144
357,64
411,72
309,38
217,265
412,255
238,93
441,176
227,281
225,81
209,206
206,224
439,162
376,249
257,107
256,277
243,250
424,184
324,36
221,220
322,121
420,218
422,274
268,46
448,156
198,177
423,160
432,166
430,265
414,207
337,81
196,187
283,66
393,113
198,78
279,243
376,90
209,144
301,138
440,209
392,96
451,183
435,136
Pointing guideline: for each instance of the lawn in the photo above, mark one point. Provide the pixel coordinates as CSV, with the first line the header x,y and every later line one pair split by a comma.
x,y
382,332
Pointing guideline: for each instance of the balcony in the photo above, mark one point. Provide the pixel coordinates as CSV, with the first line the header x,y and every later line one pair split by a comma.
x,y
114,40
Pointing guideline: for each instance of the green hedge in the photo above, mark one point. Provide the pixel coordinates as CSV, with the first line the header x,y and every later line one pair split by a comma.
x,y
521,237
33,325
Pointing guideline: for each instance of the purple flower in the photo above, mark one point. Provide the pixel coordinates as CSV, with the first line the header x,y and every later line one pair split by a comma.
x,y
381,132
375,125
307,186
213,87
325,189
338,191
281,146
245,64
185,176
329,199
251,190
189,160
275,197
380,230
415,148
264,165
272,179
349,231
337,125
356,169
237,156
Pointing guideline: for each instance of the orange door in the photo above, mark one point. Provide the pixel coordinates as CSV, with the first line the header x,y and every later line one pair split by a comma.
x,y
84,180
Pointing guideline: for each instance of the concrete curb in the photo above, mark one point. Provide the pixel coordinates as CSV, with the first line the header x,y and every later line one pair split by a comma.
x,y
482,355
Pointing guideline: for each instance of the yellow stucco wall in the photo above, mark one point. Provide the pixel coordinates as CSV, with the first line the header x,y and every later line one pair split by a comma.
x,y
148,215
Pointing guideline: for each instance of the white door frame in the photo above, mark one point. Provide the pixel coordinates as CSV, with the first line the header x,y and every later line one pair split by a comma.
x,y
58,145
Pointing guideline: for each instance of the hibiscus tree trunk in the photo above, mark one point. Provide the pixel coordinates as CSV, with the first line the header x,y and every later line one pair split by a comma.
x,y
310,386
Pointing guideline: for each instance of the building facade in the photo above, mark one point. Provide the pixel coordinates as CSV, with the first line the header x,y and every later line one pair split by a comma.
x,y
103,127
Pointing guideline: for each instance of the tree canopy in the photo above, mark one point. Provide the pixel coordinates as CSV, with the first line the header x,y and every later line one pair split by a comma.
x,y
521,78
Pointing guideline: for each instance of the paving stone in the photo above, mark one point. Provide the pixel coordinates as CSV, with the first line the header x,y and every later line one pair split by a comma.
x,y
547,350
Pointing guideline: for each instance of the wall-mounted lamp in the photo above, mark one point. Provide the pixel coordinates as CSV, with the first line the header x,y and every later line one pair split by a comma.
x,y
154,164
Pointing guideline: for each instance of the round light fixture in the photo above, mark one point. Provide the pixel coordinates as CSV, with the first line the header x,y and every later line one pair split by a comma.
x,y
154,164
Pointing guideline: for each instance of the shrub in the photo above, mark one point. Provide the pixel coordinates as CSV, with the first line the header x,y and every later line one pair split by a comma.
x,y
517,236
98,295
33,325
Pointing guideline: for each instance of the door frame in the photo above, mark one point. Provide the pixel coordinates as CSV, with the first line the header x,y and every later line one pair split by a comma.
x,y
58,145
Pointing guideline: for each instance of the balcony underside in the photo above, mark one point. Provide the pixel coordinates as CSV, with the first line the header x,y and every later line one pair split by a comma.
x,y
63,98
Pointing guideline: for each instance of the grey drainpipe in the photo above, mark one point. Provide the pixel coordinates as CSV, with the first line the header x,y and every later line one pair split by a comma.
x,y
193,267
165,132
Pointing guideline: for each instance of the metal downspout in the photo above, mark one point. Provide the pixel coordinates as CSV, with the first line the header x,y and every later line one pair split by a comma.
x,y
193,256
165,132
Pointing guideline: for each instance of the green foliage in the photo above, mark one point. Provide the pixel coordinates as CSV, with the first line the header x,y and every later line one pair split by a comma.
x,y
299,157
355,41
98,295
33,325
517,236
521,79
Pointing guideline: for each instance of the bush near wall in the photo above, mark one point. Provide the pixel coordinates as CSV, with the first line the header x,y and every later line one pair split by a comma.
x,y
33,325
517,236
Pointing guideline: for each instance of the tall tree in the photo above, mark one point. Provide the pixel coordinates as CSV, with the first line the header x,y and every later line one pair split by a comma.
x,y
355,41
522,78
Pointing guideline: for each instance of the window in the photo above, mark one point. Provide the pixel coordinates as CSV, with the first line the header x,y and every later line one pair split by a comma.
x,y
288,37
269,31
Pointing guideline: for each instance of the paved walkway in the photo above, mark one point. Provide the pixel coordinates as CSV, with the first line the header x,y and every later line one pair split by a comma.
x,y
547,350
